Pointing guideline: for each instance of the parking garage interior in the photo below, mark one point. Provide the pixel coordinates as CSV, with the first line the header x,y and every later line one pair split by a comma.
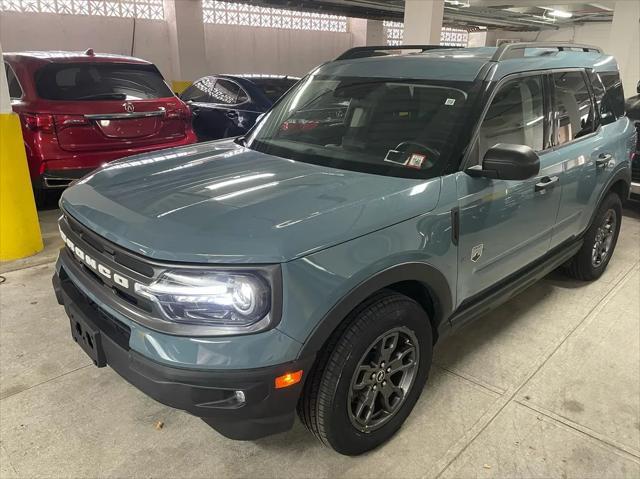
x,y
546,384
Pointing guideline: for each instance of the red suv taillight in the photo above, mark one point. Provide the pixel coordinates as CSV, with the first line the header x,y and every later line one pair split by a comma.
x,y
183,113
38,122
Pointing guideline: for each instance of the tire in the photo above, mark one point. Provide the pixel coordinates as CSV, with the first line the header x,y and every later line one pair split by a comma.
x,y
589,264
333,394
42,198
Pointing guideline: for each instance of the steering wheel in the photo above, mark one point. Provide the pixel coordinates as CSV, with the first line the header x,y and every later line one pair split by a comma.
x,y
433,154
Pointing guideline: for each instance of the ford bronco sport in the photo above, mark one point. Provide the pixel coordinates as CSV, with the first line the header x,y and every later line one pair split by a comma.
x,y
312,265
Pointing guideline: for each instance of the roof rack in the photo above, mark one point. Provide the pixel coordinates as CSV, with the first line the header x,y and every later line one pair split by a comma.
x,y
509,50
373,51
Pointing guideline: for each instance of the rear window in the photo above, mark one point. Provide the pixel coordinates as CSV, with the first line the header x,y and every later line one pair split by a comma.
x,y
100,81
274,88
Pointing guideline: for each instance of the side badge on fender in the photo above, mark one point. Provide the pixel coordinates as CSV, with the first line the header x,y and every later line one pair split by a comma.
x,y
476,252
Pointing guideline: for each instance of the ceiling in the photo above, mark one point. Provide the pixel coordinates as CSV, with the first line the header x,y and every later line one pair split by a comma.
x,y
512,15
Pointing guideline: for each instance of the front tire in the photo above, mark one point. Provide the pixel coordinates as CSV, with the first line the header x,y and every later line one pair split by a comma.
x,y
599,241
369,375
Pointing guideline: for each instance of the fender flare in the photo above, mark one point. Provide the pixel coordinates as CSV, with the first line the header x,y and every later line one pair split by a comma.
x,y
435,282
622,174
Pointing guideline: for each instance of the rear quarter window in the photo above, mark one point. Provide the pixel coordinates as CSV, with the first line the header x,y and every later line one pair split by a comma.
x,y
100,81
614,94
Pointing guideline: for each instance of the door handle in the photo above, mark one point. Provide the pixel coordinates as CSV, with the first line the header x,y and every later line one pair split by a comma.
x,y
547,182
604,159
231,114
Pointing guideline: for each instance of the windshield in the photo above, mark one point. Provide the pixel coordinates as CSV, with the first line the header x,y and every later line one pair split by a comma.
x,y
393,127
100,81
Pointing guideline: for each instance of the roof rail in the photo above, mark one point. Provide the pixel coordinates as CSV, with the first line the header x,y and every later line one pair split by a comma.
x,y
373,51
508,50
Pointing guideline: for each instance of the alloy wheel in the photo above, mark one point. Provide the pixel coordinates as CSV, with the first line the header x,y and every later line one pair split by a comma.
x,y
604,239
383,379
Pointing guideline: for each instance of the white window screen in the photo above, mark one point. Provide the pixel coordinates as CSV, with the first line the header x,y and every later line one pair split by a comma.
x,y
227,13
454,37
147,9
394,32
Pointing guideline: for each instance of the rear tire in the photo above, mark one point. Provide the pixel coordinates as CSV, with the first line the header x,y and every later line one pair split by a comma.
x,y
369,375
599,241
41,197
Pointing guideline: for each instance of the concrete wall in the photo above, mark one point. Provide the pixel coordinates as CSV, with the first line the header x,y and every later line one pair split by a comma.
x,y
239,49
230,49
47,31
593,34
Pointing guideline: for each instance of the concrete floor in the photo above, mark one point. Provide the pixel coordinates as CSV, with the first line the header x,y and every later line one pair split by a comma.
x,y
546,386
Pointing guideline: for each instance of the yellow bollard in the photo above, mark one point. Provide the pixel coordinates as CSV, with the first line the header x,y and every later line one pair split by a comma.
x,y
19,228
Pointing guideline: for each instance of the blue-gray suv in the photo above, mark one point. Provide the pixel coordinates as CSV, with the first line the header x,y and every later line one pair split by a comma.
x,y
313,264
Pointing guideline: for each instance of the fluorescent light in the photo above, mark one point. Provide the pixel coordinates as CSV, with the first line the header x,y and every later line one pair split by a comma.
x,y
560,14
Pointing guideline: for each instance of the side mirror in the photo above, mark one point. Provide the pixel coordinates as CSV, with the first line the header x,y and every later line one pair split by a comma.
x,y
507,162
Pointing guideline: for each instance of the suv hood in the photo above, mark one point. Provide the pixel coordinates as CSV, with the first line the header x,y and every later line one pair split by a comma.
x,y
221,203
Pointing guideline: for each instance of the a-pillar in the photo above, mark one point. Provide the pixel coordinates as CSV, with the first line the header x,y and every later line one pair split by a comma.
x,y
423,22
186,40
624,42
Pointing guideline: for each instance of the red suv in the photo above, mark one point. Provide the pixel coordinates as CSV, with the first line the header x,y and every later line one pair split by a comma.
x,y
81,110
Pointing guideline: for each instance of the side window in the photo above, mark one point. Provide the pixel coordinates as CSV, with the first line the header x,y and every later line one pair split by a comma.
x,y
200,91
242,96
574,109
516,116
15,91
605,113
614,94
226,92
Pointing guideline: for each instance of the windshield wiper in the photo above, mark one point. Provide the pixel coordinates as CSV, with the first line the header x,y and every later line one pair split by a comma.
x,y
104,96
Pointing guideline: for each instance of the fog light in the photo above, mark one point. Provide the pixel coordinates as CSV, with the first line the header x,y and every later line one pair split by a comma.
x,y
240,397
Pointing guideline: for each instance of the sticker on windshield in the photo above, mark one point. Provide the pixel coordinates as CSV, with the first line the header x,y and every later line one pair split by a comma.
x,y
395,156
416,160
450,101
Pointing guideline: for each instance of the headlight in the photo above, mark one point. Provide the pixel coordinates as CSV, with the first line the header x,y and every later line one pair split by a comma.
x,y
209,298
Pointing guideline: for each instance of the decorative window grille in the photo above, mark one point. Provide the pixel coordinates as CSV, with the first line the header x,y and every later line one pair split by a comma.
x,y
228,13
453,37
394,32
147,9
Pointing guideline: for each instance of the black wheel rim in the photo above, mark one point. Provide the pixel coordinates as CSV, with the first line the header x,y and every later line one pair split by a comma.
x,y
604,239
383,378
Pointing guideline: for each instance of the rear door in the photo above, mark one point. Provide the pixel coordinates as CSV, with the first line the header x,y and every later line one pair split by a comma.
x,y
585,146
109,105
507,225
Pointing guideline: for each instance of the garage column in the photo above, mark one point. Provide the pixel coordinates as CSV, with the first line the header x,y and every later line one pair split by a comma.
x,y
366,32
423,21
624,40
19,228
186,39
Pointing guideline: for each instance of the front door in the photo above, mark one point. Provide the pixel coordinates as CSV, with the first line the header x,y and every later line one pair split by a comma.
x,y
506,225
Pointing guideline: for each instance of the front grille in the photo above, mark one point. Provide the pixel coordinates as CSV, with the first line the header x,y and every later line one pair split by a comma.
x,y
635,168
104,246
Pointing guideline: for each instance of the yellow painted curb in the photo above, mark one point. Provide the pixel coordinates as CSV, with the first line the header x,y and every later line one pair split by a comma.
x,y
19,228
180,86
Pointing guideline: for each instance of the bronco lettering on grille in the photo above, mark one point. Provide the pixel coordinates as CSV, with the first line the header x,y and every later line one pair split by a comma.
x,y
93,264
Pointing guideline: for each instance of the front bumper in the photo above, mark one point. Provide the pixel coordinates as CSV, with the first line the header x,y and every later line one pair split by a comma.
x,y
208,394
